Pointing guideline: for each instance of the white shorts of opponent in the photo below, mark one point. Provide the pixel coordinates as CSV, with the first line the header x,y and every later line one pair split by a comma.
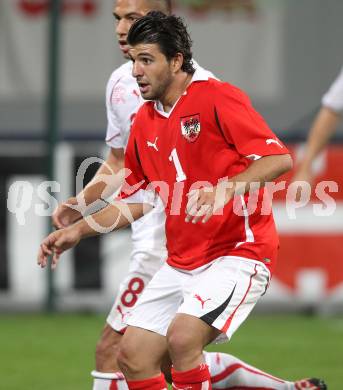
x,y
221,293
144,263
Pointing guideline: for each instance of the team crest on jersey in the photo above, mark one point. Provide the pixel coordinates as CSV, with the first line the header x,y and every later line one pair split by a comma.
x,y
190,127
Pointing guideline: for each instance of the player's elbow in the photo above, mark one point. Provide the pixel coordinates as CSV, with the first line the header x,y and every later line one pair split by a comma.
x,y
285,163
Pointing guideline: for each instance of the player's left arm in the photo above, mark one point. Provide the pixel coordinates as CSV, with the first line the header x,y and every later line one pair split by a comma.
x,y
203,203
245,129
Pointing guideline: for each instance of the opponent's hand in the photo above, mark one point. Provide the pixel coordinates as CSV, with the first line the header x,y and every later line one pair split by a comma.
x,y
302,174
204,202
55,244
65,215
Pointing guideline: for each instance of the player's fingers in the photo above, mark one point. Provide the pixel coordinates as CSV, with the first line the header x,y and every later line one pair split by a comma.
x,y
194,205
208,215
192,201
46,250
55,259
203,210
193,193
193,211
42,258
47,245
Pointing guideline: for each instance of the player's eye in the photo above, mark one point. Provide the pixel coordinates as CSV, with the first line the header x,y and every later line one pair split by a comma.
x,y
146,61
132,19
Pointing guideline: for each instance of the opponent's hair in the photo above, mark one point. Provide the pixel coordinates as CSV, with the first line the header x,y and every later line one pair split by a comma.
x,y
169,32
167,4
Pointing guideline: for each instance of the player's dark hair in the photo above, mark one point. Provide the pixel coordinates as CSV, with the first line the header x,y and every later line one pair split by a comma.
x,y
169,32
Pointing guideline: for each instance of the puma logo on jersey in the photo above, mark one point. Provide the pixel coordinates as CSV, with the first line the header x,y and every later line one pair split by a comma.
x,y
273,141
153,145
202,301
121,313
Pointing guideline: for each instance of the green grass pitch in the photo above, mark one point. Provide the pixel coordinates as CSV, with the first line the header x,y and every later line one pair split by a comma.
x,y
40,352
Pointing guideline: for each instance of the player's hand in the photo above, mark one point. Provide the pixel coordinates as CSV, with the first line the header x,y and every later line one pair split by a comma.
x,y
204,202
56,243
66,214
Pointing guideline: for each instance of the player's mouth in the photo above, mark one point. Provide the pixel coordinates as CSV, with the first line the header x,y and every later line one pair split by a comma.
x,y
123,46
143,87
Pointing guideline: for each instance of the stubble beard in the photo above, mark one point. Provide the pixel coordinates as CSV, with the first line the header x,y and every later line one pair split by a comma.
x,y
162,88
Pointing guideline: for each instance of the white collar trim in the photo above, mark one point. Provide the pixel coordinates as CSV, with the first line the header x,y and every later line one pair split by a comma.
x,y
199,75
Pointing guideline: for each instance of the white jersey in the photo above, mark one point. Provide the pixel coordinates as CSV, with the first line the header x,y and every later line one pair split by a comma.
x,y
123,99
333,98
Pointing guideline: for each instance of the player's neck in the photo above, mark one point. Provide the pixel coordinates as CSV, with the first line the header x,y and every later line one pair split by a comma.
x,y
175,90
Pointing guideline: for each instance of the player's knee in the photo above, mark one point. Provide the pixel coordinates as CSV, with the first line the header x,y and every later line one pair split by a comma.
x,y
180,343
127,360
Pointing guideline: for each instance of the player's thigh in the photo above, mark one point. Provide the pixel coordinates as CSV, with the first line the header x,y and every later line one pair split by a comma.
x,y
143,266
224,294
160,301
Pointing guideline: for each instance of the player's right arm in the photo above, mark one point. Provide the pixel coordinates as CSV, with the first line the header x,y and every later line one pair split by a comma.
x,y
112,217
106,180
132,204
97,189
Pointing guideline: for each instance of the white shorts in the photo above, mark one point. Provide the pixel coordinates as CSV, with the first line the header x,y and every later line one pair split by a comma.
x,y
143,266
222,294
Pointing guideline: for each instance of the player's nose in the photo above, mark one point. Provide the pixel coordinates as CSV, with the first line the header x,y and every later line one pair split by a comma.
x,y
137,70
122,28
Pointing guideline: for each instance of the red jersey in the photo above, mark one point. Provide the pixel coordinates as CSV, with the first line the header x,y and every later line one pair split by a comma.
x,y
211,133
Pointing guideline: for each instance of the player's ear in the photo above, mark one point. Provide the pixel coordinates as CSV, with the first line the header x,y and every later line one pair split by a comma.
x,y
177,62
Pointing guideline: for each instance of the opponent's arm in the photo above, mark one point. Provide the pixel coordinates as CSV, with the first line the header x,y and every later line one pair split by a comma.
x,y
323,128
96,189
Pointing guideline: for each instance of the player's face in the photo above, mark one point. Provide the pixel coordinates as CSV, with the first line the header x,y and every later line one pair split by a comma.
x,y
126,12
152,71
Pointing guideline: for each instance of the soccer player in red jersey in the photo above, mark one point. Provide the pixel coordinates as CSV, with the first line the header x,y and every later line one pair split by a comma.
x,y
204,149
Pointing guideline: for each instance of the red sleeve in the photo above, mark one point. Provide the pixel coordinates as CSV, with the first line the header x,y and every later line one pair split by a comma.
x,y
242,126
135,178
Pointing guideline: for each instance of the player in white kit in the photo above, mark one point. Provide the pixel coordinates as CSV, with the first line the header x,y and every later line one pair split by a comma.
x,y
122,103
323,128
